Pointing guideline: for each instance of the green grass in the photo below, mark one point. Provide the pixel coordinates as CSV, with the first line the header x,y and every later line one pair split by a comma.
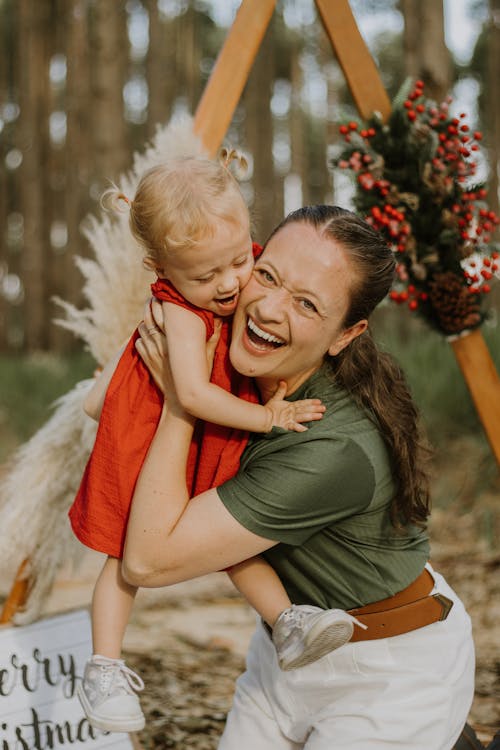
x,y
432,371
465,476
28,387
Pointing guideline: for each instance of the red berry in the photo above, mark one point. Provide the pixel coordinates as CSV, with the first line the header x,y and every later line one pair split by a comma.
x,y
413,305
353,125
343,129
412,115
478,135
486,289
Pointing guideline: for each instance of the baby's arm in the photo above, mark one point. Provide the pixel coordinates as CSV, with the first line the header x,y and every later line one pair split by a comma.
x,y
185,333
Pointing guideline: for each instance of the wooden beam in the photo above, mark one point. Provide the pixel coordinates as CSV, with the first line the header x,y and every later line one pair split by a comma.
x,y
354,58
229,76
483,381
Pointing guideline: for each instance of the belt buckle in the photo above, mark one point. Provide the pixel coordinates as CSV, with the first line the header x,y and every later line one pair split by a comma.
x,y
446,605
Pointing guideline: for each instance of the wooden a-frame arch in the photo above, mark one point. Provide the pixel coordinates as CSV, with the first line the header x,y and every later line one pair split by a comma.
x,y
211,121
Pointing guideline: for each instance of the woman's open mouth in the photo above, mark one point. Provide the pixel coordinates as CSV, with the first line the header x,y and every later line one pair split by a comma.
x,y
262,339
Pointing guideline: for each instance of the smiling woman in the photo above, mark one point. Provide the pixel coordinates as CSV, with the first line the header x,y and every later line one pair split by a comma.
x,y
339,510
299,322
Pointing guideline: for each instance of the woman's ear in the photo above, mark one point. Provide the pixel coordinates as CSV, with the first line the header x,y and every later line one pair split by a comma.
x,y
347,336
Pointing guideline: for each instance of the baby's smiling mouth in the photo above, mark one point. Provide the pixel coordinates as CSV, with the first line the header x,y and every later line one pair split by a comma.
x,y
227,300
262,339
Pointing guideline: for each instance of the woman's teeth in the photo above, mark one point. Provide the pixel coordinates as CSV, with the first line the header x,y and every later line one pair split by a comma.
x,y
258,336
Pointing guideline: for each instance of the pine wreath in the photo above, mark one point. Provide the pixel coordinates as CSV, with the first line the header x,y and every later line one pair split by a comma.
x,y
414,177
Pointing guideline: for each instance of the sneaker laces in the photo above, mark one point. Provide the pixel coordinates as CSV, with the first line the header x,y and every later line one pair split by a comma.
x,y
120,675
294,617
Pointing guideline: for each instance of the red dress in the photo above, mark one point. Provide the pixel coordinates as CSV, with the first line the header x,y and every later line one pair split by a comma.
x,y
127,425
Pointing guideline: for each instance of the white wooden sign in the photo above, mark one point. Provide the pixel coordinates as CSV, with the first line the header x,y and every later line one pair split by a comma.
x,y
40,665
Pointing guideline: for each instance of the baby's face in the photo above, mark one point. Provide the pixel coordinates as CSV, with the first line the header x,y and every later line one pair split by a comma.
x,y
212,274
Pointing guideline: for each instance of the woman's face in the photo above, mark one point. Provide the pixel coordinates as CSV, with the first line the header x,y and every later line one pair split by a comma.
x,y
290,313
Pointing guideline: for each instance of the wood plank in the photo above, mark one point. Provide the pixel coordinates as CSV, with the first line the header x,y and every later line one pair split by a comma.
x,y
353,55
229,76
483,381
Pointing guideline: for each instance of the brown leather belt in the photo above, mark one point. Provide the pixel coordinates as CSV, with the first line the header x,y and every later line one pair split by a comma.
x,y
407,610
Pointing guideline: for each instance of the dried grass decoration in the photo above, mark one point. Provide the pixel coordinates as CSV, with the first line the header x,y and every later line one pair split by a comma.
x,y
415,184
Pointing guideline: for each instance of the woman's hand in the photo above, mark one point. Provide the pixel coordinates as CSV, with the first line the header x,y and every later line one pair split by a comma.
x,y
152,349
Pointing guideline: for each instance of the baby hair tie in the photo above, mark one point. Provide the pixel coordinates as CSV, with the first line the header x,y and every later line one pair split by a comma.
x,y
228,155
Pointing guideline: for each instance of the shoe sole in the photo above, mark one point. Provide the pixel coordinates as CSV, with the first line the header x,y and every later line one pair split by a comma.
x,y
325,636
127,725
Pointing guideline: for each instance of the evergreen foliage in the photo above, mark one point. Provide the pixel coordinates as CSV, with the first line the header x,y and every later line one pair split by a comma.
x,y
414,183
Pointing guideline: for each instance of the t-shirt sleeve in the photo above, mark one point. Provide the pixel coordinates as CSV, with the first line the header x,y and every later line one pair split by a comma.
x,y
290,494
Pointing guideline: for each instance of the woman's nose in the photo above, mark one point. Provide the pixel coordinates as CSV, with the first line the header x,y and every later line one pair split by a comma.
x,y
272,305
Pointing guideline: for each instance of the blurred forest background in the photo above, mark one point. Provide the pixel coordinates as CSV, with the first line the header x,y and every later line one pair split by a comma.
x,y
85,83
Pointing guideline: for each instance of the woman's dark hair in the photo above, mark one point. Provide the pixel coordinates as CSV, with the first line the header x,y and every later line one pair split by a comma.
x,y
373,377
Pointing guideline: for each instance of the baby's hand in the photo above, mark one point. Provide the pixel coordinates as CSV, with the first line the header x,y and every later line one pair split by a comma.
x,y
289,414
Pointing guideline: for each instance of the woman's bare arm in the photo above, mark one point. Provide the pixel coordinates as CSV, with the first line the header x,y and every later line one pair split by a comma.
x,y
169,537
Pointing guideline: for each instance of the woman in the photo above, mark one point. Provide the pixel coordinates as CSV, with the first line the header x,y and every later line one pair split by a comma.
x,y
338,510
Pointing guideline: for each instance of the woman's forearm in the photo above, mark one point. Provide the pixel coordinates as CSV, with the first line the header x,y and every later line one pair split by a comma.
x,y
160,498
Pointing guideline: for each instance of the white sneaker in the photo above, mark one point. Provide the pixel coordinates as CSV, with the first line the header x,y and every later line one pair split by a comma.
x,y
107,695
303,633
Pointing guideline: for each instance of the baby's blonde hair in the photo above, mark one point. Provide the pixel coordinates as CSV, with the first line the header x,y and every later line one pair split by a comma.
x,y
178,203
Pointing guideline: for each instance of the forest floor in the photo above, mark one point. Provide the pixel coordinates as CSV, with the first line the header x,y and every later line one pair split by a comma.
x,y
188,641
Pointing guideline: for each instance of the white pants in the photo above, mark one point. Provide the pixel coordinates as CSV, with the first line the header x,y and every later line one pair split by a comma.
x,y
412,691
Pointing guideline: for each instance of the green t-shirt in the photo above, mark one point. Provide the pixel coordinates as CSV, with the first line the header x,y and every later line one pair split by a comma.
x,y
325,495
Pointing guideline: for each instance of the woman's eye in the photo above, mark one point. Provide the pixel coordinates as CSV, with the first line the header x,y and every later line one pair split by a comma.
x,y
308,305
205,280
265,275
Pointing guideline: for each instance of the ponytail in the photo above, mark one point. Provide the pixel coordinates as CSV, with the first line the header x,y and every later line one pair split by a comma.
x,y
378,385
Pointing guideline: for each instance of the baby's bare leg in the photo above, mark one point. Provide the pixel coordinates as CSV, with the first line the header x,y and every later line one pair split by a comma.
x,y
257,581
111,606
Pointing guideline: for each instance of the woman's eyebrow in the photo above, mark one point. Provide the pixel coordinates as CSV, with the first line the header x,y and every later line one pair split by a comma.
x,y
296,290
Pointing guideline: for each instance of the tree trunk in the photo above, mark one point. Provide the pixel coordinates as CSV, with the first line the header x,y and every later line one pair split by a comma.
x,y
109,56
79,164
297,180
259,127
493,102
425,52
160,70
34,20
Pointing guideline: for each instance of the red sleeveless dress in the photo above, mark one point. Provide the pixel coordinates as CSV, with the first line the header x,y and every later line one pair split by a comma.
x,y
127,425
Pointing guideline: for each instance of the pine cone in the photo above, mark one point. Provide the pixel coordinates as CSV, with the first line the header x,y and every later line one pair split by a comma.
x,y
455,308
